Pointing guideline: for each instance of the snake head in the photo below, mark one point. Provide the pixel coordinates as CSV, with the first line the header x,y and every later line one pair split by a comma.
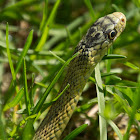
x,y
119,21
105,30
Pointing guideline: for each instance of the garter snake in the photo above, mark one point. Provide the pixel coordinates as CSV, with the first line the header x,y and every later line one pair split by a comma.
x,y
91,48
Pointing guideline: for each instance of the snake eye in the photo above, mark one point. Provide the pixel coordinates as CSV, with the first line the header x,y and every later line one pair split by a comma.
x,y
112,34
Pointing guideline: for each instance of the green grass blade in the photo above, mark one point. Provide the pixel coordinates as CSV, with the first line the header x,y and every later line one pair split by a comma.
x,y
2,129
41,101
15,101
75,132
90,7
31,93
113,56
131,65
123,103
133,112
19,64
45,12
39,69
9,54
53,13
28,131
108,64
27,118
101,103
92,79
89,104
59,58
68,85
25,50
27,100
46,28
86,106
115,128
108,74
20,4
116,8
69,36
41,84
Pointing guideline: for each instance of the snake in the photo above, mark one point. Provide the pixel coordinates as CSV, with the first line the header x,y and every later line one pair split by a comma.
x,y
91,49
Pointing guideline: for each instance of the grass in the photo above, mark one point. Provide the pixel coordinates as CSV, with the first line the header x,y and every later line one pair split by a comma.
x,y
101,104
37,40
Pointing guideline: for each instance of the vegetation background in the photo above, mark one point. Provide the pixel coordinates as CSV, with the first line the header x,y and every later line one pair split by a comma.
x,y
37,37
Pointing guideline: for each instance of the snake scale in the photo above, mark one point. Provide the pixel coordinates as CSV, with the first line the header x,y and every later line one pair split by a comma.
x,y
91,48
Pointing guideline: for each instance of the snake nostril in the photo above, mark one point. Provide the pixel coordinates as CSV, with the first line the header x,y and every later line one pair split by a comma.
x,y
122,20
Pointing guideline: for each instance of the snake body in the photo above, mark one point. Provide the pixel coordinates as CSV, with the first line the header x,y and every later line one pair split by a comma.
x,y
91,48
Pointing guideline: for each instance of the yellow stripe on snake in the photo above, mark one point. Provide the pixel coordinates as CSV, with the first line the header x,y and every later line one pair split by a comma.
x,y
91,48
